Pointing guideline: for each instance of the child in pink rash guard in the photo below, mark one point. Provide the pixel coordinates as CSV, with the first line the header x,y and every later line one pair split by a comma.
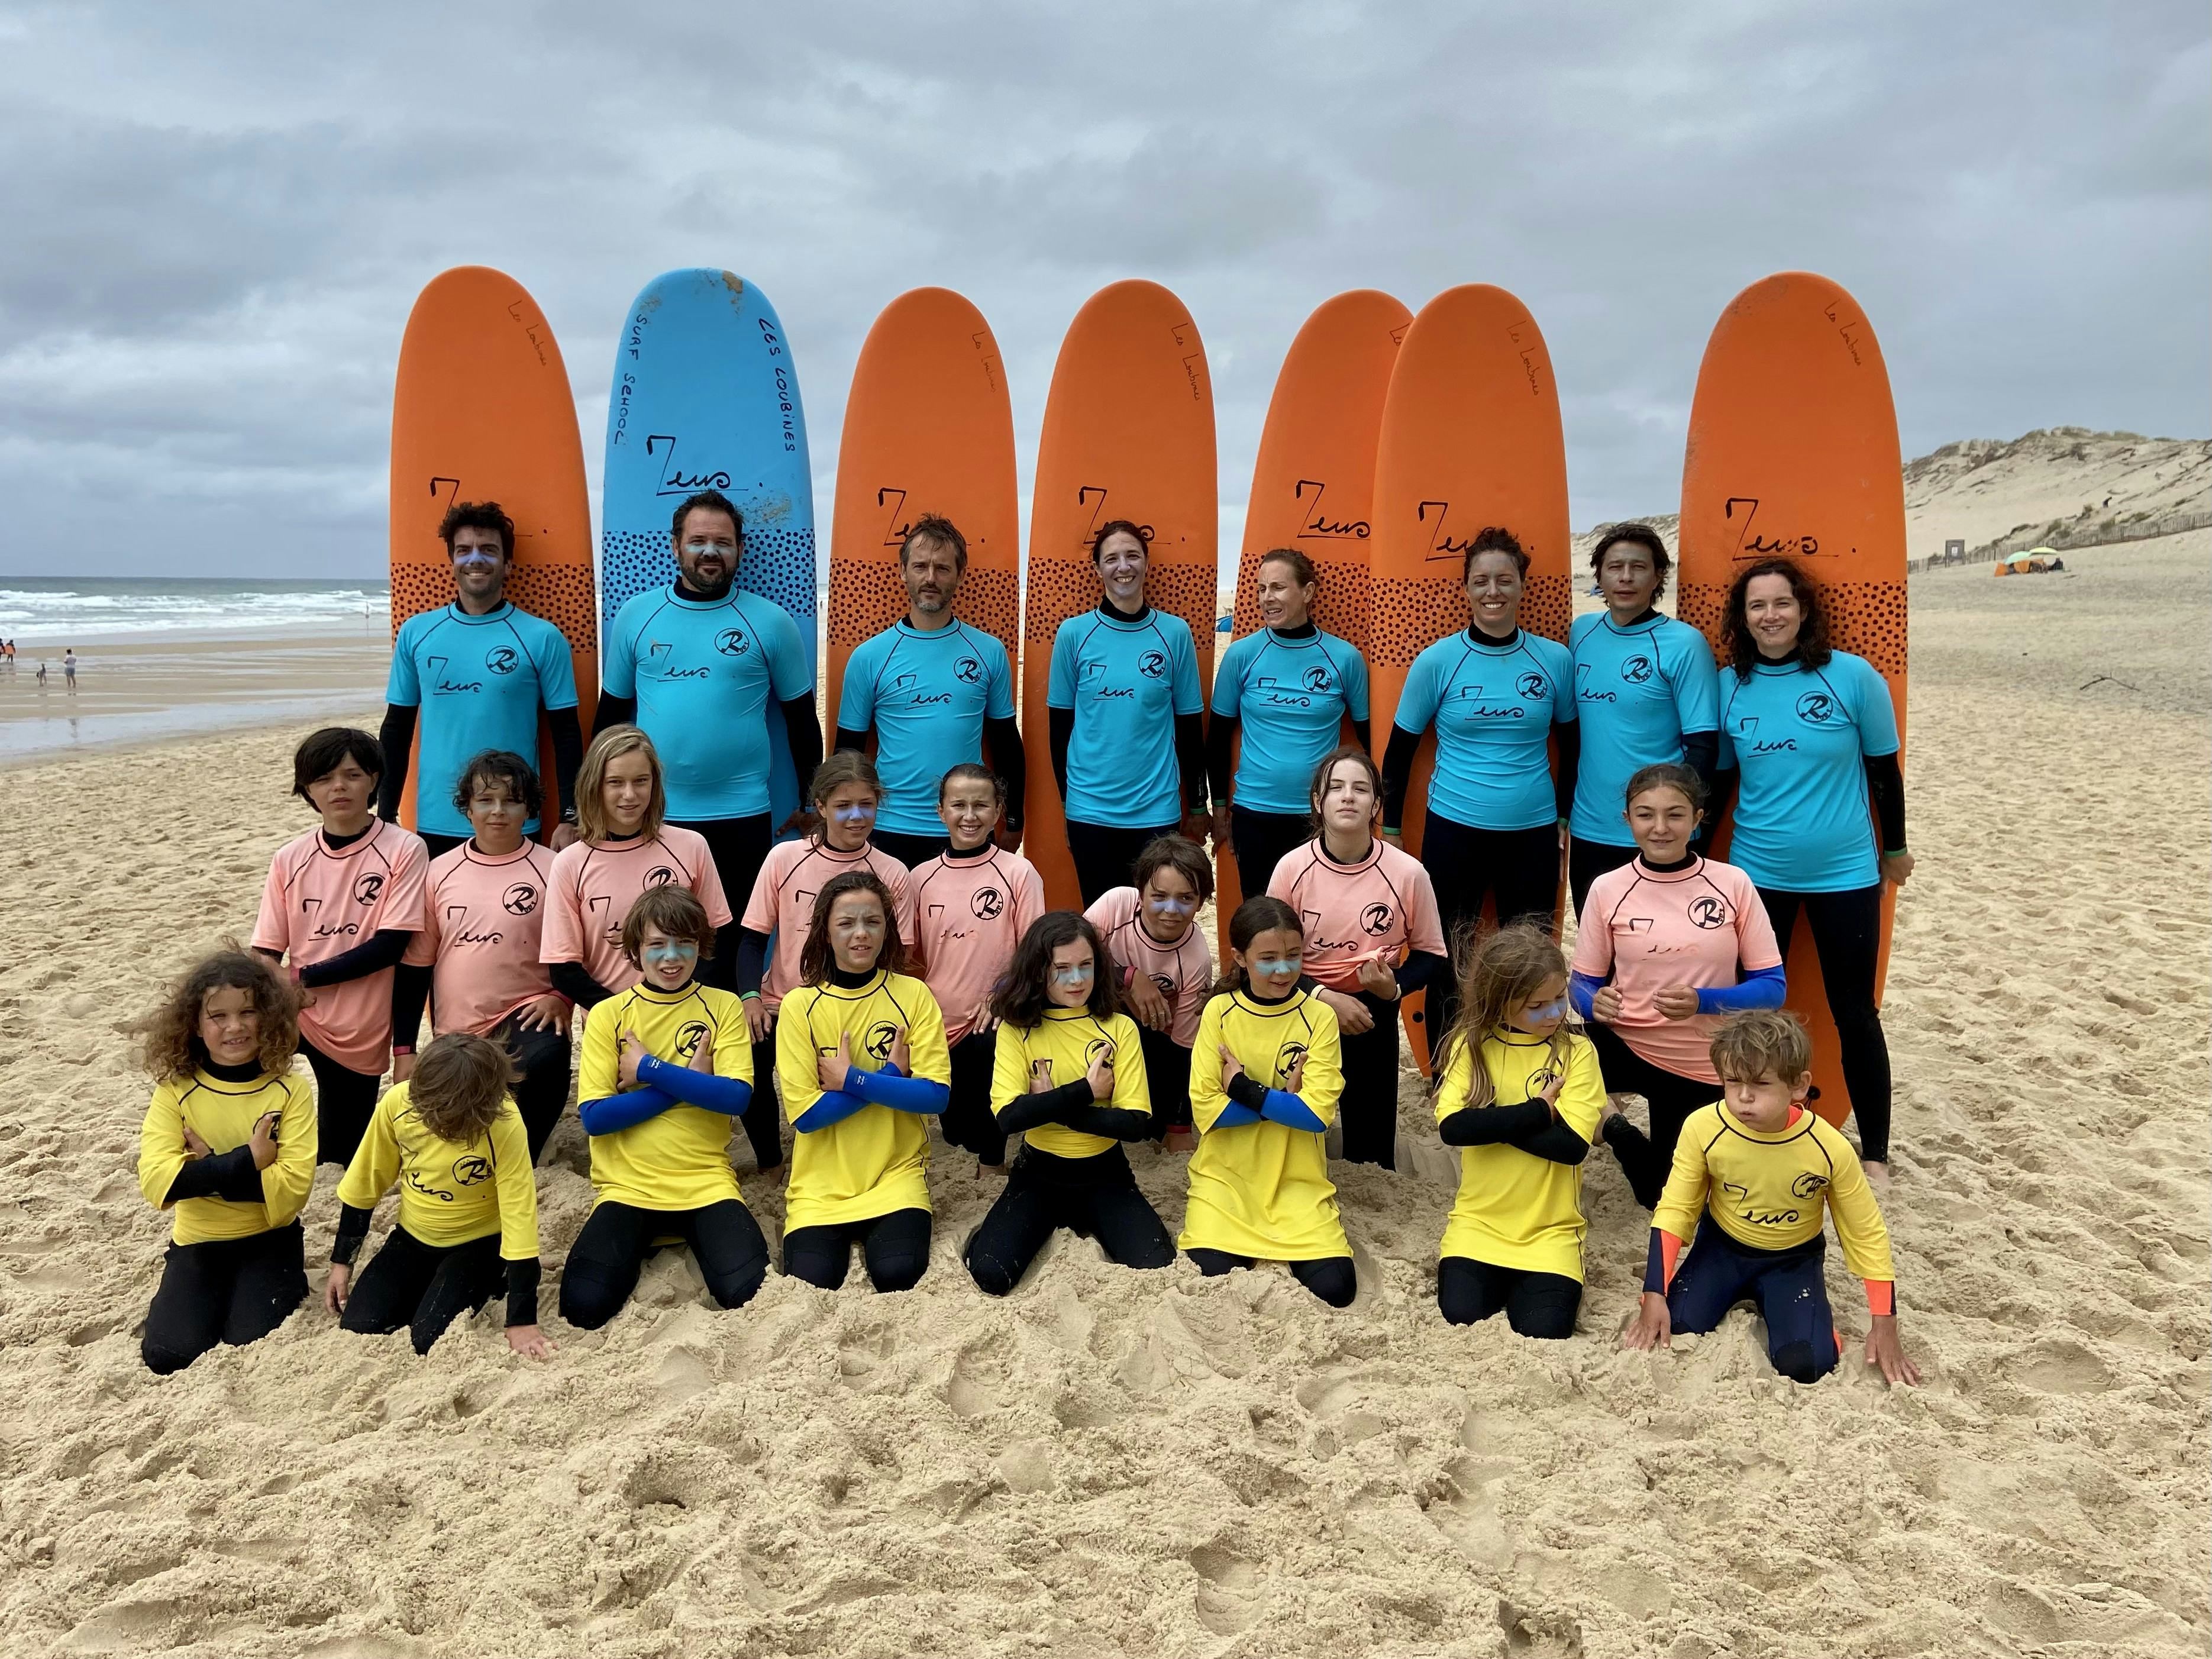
x,y
1153,939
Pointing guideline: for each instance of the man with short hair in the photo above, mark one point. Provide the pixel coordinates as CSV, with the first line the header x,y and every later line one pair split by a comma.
x,y
476,673
935,689
695,666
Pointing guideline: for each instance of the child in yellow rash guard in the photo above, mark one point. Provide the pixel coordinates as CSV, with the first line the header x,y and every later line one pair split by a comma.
x,y
1763,1170
451,1137
667,1068
1069,1075
229,1143
1521,1096
861,1057
1264,1077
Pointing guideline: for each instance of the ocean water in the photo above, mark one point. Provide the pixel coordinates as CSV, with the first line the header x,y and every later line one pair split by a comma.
x,y
51,612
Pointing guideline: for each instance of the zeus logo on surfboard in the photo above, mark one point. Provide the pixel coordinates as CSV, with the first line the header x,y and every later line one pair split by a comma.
x,y
674,481
1318,525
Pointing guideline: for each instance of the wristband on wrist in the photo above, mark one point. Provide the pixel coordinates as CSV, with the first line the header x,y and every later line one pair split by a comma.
x,y
749,996
403,1048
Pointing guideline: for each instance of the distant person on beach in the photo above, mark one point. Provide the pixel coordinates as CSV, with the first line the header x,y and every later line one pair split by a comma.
x,y
1811,733
1127,721
1288,690
478,956
1647,692
626,849
42,673
935,691
476,673
1668,945
69,667
667,1064
342,904
695,666
7,654
228,1144
450,1139
1752,1178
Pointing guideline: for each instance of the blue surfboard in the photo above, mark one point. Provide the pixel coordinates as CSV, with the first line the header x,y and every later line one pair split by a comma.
x,y
705,396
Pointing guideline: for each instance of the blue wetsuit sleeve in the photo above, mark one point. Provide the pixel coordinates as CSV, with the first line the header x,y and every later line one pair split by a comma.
x,y
1235,1116
921,1095
1762,988
614,1112
727,1095
831,1107
1291,1112
1583,989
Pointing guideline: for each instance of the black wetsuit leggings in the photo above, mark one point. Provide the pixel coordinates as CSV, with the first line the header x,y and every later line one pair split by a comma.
x,y
423,1287
1332,1277
909,850
1534,1304
438,846
896,1246
739,847
227,1290
1262,841
1104,856
1588,859
1517,869
1096,1197
968,1122
763,1118
1167,1073
1847,933
604,1260
1645,1158
542,1094
344,1099
1368,1107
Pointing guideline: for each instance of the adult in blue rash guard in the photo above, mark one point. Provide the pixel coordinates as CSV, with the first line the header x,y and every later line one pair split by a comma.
x,y
1497,815
1289,688
1809,737
935,691
693,665
1648,695
1127,721
475,673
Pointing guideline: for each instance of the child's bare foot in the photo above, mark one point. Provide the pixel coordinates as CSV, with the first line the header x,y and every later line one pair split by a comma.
x,y
1181,1140
1877,1175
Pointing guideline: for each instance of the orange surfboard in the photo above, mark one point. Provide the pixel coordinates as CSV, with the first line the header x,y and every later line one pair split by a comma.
x,y
482,412
928,428
1127,433
1470,437
1793,451
1313,484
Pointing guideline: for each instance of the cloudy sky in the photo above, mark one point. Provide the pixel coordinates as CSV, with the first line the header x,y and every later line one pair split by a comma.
x,y
214,217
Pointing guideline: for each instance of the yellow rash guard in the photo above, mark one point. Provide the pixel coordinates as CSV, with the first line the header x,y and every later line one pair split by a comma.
x,y
223,1115
1067,1039
1513,1208
679,1160
450,1192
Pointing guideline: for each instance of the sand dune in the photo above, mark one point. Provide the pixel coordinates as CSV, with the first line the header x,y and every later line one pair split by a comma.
x,y
1109,1463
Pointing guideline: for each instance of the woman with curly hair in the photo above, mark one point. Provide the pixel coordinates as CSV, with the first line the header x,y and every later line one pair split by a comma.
x,y
229,1144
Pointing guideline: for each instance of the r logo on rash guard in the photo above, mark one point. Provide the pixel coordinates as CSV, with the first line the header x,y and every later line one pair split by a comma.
x,y
1708,912
732,642
881,1036
968,671
1152,665
472,1170
366,888
1167,986
1808,1184
1288,1059
1816,709
989,903
502,659
659,876
1636,669
692,1033
1533,686
1375,920
519,900
1317,680
1091,1050
1541,1079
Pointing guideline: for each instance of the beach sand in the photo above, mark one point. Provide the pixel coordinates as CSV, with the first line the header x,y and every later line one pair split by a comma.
x,y
1115,1464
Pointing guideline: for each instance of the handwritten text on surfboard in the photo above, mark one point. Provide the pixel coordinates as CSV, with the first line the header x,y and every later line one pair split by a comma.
x,y
779,363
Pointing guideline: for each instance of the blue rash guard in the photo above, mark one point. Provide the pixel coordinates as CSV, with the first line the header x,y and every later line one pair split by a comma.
x,y
1292,693
1639,689
1126,680
479,682
702,671
1799,737
927,692
1494,706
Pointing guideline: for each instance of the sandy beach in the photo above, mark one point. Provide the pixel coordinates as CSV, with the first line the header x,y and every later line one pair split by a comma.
x,y
1113,1463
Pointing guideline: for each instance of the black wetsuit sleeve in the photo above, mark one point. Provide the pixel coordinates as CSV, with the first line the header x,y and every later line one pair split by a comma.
x,y
614,711
353,1227
720,970
411,990
849,739
1569,740
568,753
1701,753
1885,783
1113,1122
1397,773
1221,754
570,979
1419,970
380,950
1363,735
229,1175
1487,1126
803,728
1556,1142
752,960
1060,727
397,735
1002,741
1247,1091
1725,780
1033,1111
1190,756
522,1292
